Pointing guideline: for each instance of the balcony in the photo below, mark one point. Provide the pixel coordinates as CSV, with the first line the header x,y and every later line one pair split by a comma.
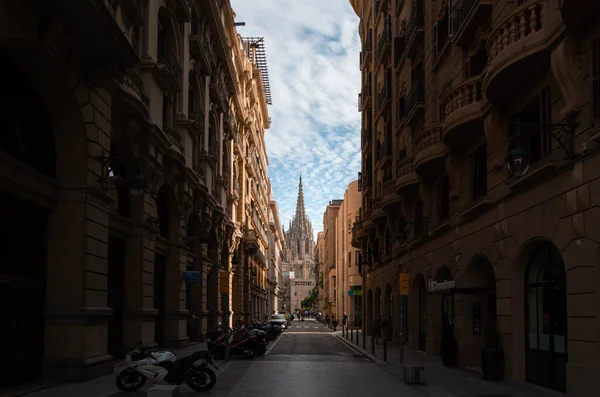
x,y
95,34
367,139
217,92
462,111
390,198
384,97
407,180
399,49
379,216
368,225
170,72
367,93
431,152
182,10
415,31
384,152
467,16
136,10
201,50
367,49
518,47
384,43
414,108
196,113
358,234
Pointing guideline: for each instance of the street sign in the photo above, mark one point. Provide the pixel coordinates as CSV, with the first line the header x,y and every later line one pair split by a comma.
x,y
190,277
404,286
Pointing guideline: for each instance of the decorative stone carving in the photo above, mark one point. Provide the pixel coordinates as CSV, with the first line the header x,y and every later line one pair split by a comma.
x,y
453,170
566,67
495,127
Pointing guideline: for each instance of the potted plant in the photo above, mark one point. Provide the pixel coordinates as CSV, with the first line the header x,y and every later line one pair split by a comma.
x,y
492,355
448,345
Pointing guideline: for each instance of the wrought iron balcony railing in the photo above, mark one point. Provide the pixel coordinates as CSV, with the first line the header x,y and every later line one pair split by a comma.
x,y
384,95
167,59
416,96
417,20
385,38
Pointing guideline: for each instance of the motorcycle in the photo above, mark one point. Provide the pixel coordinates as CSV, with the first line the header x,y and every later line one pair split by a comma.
x,y
163,367
242,342
271,330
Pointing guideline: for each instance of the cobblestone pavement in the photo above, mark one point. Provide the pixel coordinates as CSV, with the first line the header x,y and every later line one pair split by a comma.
x,y
440,381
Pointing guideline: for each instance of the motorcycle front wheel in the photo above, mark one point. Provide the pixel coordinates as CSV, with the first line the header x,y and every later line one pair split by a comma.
x,y
201,379
130,380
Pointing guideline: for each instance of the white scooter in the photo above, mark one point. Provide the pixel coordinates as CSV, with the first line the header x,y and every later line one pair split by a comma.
x,y
164,368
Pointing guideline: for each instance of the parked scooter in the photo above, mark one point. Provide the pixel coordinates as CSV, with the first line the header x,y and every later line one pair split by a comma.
x,y
163,367
242,342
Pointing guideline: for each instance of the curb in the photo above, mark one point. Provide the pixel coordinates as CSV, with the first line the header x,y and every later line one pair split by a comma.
x,y
360,350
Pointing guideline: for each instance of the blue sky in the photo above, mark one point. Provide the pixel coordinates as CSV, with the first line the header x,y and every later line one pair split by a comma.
x,y
312,51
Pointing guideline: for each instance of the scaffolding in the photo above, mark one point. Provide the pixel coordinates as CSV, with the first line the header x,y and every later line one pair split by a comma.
x,y
255,47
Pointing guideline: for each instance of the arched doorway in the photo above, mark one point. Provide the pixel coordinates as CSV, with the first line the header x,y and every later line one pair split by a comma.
x,y
546,318
29,142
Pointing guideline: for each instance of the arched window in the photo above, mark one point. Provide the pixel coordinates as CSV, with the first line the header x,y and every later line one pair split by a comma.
x,y
546,318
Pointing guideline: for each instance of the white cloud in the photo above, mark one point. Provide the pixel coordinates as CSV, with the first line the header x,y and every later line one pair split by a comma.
x,y
312,51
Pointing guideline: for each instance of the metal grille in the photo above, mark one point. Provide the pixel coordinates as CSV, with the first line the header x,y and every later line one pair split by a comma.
x,y
258,56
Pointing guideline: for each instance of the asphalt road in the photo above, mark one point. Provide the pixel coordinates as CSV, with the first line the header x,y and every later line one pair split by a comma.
x,y
308,361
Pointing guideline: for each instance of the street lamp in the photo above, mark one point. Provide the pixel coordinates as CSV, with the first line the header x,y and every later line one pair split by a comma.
x,y
518,150
136,183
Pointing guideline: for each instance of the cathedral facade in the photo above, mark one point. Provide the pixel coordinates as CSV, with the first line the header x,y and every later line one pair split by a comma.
x,y
299,254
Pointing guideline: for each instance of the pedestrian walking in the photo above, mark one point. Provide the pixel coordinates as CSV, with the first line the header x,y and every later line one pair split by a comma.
x,y
327,320
377,328
345,320
334,322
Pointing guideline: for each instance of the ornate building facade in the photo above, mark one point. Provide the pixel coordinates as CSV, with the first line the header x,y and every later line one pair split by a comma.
x,y
124,195
299,253
480,180
329,300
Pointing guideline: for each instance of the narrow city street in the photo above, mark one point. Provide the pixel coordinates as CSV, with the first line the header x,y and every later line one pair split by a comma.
x,y
305,360
308,360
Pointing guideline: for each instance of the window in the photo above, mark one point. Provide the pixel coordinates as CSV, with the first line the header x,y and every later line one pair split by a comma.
x,y
532,121
440,34
595,77
475,63
479,172
443,195
349,259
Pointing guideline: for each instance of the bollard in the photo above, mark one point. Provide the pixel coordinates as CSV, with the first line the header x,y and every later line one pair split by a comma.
x,y
357,338
372,345
385,350
346,330
351,335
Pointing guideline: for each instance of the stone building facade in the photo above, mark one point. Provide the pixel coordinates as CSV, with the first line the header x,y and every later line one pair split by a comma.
x,y
329,300
348,277
123,182
320,258
276,252
480,179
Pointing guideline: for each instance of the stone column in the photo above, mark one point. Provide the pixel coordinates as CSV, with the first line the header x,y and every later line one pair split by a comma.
x,y
76,297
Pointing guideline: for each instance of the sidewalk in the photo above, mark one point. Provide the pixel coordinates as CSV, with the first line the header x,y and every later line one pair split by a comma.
x,y
442,381
105,385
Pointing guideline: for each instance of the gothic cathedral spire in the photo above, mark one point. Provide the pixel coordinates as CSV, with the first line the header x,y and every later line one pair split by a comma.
x,y
300,211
